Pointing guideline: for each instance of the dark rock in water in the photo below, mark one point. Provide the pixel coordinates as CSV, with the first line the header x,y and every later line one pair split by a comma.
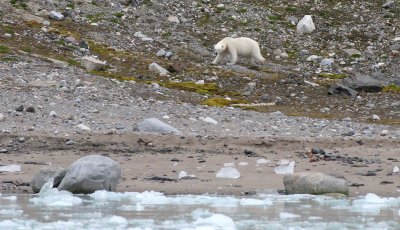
x,y
44,175
342,90
314,183
91,173
362,82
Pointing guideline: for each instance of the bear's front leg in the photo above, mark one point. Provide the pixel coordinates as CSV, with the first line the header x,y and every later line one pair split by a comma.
x,y
233,54
218,59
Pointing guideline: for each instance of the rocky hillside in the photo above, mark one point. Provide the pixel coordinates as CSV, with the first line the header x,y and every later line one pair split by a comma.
x,y
347,67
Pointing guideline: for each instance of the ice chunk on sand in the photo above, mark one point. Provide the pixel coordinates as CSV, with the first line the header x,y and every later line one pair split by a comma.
x,y
285,169
228,172
262,161
396,169
230,164
287,215
10,168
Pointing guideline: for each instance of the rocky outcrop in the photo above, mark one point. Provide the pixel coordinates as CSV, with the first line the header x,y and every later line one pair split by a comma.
x,y
91,173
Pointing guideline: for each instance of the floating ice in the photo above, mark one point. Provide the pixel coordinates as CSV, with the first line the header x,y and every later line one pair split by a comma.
x,y
228,172
216,221
285,169
11,212
262,161
372,203
53,197
287,215
10,168
254,202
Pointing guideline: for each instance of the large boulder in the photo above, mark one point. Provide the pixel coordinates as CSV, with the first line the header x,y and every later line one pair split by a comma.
x,y
314,183
45,174
91,173
153,125
306,25
342,90
92,63
362,82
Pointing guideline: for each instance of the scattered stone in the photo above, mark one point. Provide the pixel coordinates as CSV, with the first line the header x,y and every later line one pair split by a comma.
x,y
44,175
70,142
83,127
161,53
362,82
91,173
92,63
326,63
84,45
375,117
3,150
228,172
2,117
293,20
30,109
317,151
353,52
153,125
53,114
173,19
56,15
19,108
342,90
306,25
208,120
389,4
158,69
314,183
142,37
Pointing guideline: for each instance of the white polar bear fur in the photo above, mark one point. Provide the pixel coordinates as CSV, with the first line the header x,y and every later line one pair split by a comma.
x,y
234,47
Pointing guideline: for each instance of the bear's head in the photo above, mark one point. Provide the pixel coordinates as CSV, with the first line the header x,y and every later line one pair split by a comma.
x,y
220,47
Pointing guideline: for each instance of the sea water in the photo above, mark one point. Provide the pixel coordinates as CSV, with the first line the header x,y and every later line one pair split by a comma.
x,y
53,209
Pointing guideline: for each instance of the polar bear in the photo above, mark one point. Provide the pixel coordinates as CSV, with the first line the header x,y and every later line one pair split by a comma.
x,y
245,47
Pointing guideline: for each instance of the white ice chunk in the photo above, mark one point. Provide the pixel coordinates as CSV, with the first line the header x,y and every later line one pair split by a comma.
x,y
11,198
262,161
216,221
231,164
287,215
283,162
252,201
10,168
396,169
285,169
53,197
182,174
228,172
243,163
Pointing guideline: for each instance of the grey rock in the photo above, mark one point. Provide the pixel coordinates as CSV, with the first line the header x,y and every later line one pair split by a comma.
x,y
2,117
389,5
84,45
169,54
158,69
19,108
91,173
304,53
352,52
342,90
293,20
56,15
153,125
306,25
326,63
363,82
161,53
45,174
314,183
30,109
91,63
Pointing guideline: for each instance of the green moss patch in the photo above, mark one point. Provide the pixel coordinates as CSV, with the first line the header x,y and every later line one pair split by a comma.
x,y
332,75
207,88
113,75
221,102
4,49
391,88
